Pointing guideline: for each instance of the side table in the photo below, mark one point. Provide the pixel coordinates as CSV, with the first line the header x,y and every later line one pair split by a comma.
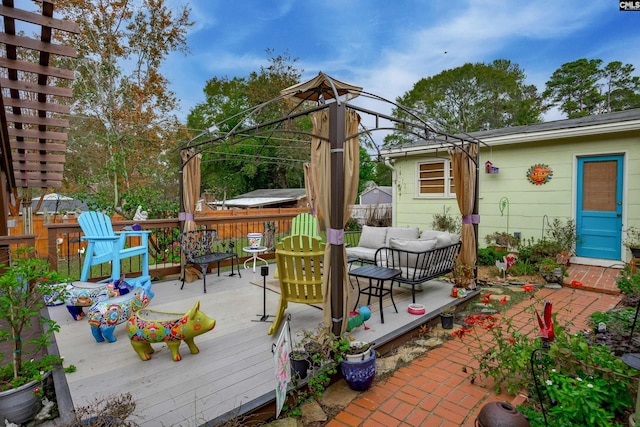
x,y
254,252
377,289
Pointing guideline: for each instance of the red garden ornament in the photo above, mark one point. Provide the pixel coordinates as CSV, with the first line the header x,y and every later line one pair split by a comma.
x,y
546,323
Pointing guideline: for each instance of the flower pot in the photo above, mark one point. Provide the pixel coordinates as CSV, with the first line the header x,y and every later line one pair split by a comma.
x,y
358,356
20,405
254,239
299,364
359,375
446,320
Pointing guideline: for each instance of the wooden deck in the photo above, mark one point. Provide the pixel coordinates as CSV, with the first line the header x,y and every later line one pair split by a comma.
x,y
234,371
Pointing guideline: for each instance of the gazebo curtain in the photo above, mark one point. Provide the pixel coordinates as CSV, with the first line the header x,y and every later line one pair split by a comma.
x,y
190,196
321,171
464,178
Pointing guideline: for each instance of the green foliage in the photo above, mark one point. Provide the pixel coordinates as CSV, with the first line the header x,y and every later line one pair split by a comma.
x,y
588,383
628,282
23,285
562,234
582,87
122,103
523,268
618,321
445,222
489,256
470,97
269,159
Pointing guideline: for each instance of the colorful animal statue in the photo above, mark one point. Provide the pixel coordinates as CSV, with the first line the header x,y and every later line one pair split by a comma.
x,y
357,318
86,294
104,316
150,326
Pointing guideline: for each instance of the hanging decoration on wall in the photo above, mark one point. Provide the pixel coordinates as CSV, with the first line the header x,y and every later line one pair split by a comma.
x,y
539,174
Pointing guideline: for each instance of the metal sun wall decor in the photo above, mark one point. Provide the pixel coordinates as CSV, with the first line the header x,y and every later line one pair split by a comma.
x,y
539,174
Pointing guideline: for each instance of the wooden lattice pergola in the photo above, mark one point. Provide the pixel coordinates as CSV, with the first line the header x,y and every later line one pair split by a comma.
x,y
33,120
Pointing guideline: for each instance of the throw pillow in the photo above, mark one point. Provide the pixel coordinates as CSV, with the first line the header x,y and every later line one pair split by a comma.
x,y
372,237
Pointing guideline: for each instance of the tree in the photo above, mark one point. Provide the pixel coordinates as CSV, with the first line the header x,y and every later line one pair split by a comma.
x,y
122,110
583,87
622,90
471,98
265,159
574,87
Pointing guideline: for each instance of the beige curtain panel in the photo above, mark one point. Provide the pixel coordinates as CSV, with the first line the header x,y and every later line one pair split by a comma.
x,y
321,171
464,178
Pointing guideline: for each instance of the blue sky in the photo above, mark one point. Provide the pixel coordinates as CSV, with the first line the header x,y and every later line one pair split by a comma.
x,y
387,46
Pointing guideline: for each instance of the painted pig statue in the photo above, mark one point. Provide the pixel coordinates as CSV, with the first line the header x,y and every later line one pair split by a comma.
x,y
85,294
150,326
104,316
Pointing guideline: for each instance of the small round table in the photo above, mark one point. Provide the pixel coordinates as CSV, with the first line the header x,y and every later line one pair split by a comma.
x,y
254,252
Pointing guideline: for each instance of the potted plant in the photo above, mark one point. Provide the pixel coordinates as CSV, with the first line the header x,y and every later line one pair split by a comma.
x,y
299,364
551,271
446,317
23,286
632,240
360,371
563,236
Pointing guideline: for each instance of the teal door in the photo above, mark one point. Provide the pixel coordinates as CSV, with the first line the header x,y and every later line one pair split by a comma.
x,y
599,206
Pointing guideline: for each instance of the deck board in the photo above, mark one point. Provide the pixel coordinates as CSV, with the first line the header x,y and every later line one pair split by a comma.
x,y
235,364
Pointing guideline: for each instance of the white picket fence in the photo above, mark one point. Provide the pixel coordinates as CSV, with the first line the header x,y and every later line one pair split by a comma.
x,y
368,214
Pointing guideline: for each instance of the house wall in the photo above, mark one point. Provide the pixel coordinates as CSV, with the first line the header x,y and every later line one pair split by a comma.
x,y
527,203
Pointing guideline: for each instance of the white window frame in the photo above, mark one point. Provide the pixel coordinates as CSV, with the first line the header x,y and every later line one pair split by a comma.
x,y
448,180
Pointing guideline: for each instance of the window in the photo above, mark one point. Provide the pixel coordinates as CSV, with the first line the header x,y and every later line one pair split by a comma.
x,y
435,179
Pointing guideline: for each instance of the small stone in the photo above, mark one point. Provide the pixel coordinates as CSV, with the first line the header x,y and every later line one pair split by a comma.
x,y
339,395
312,412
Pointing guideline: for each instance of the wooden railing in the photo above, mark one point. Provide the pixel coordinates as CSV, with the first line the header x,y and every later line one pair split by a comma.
x,y
65,248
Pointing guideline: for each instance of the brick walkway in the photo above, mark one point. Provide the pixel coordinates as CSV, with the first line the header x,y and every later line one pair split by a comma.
x,y
434,391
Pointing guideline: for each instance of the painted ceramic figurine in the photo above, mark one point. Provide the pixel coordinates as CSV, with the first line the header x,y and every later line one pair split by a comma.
x,y
150,326
104,316
85,294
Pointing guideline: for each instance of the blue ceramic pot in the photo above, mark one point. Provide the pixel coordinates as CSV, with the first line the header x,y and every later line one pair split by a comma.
x,y
359,375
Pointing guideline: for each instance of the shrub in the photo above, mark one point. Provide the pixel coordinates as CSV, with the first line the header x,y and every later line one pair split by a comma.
x,y
628,282
489,256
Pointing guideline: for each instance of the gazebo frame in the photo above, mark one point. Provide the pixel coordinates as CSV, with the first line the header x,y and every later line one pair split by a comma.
x,y
333,95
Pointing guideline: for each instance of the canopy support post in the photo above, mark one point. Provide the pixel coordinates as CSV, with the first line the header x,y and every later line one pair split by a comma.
x,y
336,137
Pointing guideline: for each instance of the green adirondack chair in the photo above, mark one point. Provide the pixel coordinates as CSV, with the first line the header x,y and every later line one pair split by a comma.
x,y
305,224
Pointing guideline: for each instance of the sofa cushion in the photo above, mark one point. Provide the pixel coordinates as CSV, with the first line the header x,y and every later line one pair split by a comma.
x,y
362,253
443,240
413,245
401,233
430,234
373,237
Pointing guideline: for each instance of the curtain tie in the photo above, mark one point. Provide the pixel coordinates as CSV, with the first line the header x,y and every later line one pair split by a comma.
x,y
471,219
335,236
185,216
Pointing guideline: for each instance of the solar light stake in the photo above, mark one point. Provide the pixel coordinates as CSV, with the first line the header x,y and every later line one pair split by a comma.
x,y
264,317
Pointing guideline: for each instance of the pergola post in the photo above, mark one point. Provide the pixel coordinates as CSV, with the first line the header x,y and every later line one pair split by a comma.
x,y
336,138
